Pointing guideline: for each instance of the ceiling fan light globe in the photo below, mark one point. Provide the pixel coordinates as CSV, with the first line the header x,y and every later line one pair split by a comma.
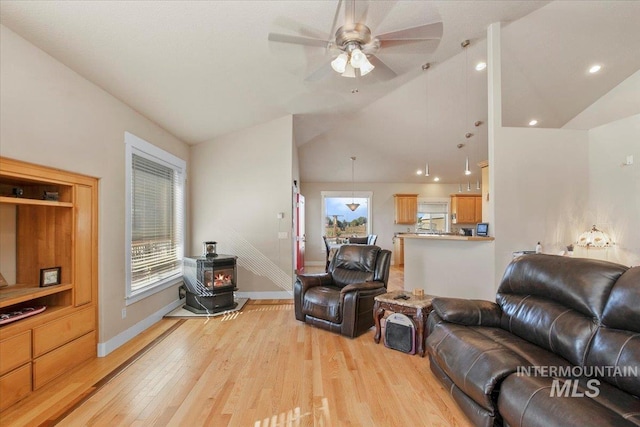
x,y
349,72
366,67
358,58
340,63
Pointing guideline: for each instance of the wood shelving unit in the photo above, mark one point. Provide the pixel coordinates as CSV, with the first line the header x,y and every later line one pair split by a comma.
x,y
44,234
16,294
34,202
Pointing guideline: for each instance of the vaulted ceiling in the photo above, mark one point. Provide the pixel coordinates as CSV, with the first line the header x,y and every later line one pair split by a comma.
x,y
202,69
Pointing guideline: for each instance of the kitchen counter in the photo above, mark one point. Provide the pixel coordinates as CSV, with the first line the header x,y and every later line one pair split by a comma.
x,y
449,265
445,237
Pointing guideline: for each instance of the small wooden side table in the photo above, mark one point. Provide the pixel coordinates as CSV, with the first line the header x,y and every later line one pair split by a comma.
x,y
416,307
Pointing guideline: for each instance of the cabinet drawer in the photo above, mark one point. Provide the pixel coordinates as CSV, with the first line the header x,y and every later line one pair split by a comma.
x,y
15,351
61,331
14,386
63,359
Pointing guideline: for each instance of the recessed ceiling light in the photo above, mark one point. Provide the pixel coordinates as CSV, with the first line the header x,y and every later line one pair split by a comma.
x,y
481,66
595,68
419,172
533,122
436,179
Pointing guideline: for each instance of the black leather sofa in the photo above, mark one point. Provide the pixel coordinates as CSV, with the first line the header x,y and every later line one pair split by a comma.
x,y
559,347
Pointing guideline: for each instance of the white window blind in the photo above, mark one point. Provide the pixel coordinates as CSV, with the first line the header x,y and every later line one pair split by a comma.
x,y
155,226
433,216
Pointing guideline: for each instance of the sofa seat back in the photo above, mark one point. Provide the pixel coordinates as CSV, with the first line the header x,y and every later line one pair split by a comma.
x,y
615,349
353,264
556,302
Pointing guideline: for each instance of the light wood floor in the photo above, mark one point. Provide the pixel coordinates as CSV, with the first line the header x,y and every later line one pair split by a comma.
x,y
258,368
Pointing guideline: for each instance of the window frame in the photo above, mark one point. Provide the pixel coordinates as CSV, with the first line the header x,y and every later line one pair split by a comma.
x,y
437,200
142,148
346,194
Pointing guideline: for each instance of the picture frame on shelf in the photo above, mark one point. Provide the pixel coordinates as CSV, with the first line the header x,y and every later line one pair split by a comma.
x,y
49,276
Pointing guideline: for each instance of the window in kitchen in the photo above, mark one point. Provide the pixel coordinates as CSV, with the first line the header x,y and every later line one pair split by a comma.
x,y
433,216
339,221
154,224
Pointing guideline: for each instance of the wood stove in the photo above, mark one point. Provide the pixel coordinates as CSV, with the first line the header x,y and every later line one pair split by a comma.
x,y
210,282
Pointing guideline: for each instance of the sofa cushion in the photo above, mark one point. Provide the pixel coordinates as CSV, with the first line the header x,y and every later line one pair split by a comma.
x,y
580,284
622,309
556,302
477,359
323,302
616,345
479,416
528,401
548,324
354,264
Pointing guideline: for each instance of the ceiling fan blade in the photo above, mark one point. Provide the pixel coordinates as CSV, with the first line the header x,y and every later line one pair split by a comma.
x,y
349,11
320,73
284,38
332,32
422,32
408,46
382,70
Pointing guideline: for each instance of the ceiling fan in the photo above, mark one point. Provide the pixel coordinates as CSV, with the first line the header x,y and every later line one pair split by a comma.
x,y
355,49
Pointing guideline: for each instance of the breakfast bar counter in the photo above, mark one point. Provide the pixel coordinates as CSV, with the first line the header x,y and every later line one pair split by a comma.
x,y
450,265
445,237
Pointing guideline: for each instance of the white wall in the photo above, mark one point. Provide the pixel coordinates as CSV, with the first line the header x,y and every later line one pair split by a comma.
x,y
541,189
240,183
52,116
539,178
614,190
382,210
550,185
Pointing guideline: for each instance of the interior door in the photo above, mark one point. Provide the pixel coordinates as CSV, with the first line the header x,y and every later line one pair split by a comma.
x,y
300,234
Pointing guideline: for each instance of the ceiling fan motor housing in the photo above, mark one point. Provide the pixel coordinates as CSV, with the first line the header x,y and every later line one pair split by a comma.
x,y
350,33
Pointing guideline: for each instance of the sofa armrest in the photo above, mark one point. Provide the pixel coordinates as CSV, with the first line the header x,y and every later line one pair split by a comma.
x,y
468,312
307,281
363,286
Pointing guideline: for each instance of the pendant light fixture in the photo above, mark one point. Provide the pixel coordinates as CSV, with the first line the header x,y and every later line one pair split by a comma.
x,y
425,67
467,135
353,206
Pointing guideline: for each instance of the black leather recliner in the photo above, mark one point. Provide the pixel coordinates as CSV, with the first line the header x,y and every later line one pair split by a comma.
x,y
341,300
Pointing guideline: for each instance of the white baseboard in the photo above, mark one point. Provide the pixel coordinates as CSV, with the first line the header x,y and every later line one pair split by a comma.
x,y
104,348
266,295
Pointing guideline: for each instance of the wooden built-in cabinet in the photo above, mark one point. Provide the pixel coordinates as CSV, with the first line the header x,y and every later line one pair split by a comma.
x,y
466,208
398,251
48,233
406,208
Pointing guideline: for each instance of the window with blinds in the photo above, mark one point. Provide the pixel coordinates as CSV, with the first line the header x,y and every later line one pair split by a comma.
x,y
155,218
432,216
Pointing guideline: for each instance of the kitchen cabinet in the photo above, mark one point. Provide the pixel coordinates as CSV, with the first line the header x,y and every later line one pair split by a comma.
x,y
466,208
398,251
56,225
406,208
